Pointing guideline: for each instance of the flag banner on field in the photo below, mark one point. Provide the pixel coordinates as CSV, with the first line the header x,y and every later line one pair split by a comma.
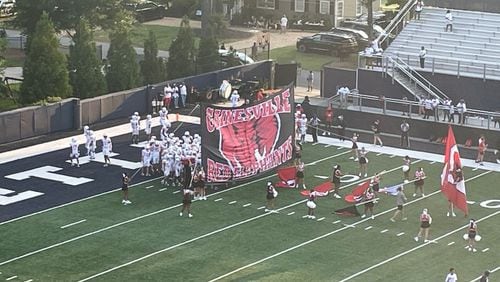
x,y
348,211
452,180
357,193
323,188
391,190
242,142
286,177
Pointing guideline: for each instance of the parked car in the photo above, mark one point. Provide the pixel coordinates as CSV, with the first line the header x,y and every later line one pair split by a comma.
x,y
147,11
377,30
7,8
334,44
242,58
361,36
380,18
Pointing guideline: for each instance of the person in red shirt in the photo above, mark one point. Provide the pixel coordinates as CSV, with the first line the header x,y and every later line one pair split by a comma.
x,y
425,224
328,120
481,149
419,181
259,95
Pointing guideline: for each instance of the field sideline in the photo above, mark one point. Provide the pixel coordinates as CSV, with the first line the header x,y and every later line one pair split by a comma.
x,y
231,238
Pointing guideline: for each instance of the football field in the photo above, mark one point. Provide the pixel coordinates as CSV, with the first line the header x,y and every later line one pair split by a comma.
x,y
231,238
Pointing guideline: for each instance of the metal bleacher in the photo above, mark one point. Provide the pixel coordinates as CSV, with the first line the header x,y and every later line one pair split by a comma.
x,y
472,49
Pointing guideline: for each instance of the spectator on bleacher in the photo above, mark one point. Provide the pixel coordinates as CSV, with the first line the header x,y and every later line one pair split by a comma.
x,y
175,96
421,109
452,113
418,9
435,108
461,111
427,108
446,110
449,21
422,55
368,54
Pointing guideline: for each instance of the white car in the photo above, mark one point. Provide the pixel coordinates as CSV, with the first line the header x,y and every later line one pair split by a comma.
x,y
244,59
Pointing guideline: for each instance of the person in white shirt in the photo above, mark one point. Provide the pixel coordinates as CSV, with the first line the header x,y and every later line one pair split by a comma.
x,y
107,148
452,276
427,108
183,92
92,145
175,96
446,110
418,9
435,108
74,152
461,110
146,160
283,24
86,133
422,55
134,124
449,21
148,127
167,96
235,97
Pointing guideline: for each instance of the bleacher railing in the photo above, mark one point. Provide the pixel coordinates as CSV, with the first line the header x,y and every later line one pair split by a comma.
x,y
396,25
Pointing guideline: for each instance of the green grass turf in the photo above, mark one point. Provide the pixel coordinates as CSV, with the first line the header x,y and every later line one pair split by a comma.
x,y
309,61
250,235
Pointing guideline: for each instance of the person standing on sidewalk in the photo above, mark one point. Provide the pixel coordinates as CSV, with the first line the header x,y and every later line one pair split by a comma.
x,y
405,128
422,55
310,80
283,24
400,201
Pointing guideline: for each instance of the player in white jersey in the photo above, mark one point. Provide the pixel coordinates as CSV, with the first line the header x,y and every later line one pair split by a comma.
x,y
235,97
164,133
187,138
92,145
149,125
134,124
178,166
74,152
146,160
163,116
303,128
155,157
86,133
107,148
167,167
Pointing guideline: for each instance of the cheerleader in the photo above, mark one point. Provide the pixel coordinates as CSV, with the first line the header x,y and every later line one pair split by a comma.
x,y
472,234
271,197
363,161
406,169
299,176
481,149
186,201
298,153
336,175
199,187
419,181
375,183
311,202
425,224
369,199
354,148
328,120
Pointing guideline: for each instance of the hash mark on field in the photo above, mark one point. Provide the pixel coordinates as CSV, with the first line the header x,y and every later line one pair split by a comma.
x,y
12,277
232,202
485,250
385,230
335,222
379,154
433,162
29,280
392,156
474,169
451,243
247,205
290,213
320,219
74,223
175,192
399,234
263,207
304,216
369,227
339,148
162,189
328,145
471,202
314,144
219,199
150,186
321,176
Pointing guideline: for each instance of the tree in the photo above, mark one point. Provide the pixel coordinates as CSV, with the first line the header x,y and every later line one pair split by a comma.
x,y
208,54
86,76
152,67
123,70
369,7
45,68
181,52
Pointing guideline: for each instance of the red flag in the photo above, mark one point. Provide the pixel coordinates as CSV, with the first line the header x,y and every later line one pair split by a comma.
x,y
357,193
323,188
452,180
287,177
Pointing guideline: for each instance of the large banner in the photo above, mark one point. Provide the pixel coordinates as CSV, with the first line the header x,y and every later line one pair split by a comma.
x,y
239,143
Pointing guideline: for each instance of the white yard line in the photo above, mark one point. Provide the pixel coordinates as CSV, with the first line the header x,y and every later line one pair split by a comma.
x,y
368,227
414,249
10,278
150,186
433,162
326,235
232,202
162,189
451,243
485,250
321,219
29,280
400,234
247,205
290,213
385,230
74,223
219,199
261,208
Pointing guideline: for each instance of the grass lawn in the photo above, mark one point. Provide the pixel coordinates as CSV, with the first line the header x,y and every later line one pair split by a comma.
x,y
309,61
231,238
7,104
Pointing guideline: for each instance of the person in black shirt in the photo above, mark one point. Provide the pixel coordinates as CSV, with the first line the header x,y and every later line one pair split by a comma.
x,y
341,124
187,174
186,201
125,182
199,187
376,133
270,197
336,175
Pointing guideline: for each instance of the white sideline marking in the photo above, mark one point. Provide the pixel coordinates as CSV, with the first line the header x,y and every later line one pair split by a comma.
x,y
260,208
175,192
330,233
379,154
320,219
451,243
162,189
369,227
179,205
247,205
187,242
150,186
74,223
385,230
414,249
400,234
433,162
485,250
290,213
232,202
12,277
335,222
